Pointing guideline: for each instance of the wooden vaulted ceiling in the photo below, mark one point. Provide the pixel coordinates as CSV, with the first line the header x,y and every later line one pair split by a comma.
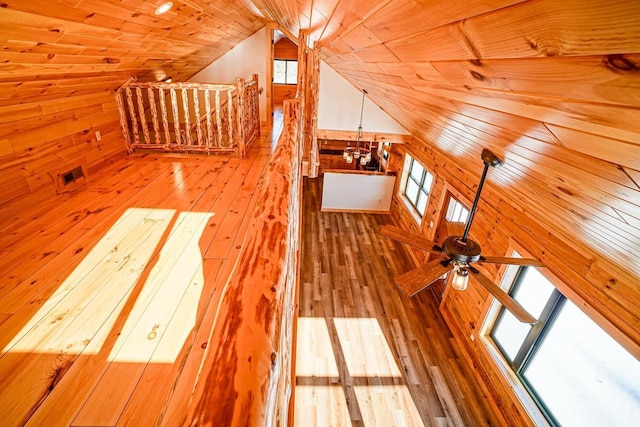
x,y
552,86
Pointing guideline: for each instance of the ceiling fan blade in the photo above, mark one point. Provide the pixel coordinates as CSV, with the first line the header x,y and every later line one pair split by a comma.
x,y
413,281
455,228
412,239
511,304
513,261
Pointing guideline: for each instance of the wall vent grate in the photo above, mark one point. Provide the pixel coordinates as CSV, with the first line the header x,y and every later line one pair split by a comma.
x,y
72,175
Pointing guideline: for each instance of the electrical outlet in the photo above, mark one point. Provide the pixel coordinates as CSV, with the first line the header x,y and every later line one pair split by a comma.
x,y
98,136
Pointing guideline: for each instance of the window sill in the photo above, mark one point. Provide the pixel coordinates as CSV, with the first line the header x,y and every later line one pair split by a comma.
x,y
411,210
511,380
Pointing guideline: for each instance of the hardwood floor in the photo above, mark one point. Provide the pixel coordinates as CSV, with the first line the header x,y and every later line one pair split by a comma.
x,y
107,298
368,355
108,294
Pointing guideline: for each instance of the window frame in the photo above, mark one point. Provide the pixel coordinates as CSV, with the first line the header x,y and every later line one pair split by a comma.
x,y
533,340
451,200
413,204
286,66
514,372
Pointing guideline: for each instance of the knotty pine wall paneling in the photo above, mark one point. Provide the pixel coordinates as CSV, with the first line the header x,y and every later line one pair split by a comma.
x,y
61,61
584,275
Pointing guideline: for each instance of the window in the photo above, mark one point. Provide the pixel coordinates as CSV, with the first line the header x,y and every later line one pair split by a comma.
x,y
285,71
456,212
417,186
575,372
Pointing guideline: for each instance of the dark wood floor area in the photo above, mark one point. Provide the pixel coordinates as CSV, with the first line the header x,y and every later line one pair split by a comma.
x,y
368,355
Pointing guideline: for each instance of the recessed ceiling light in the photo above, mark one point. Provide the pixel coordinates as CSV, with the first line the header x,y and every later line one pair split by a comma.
x,y
164,8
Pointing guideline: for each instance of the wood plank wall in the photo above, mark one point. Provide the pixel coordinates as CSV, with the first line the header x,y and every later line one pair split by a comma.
x,y
60,62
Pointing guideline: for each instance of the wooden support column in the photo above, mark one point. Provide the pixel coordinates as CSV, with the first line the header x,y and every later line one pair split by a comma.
x,y
257,104
312,130
301,94
269,75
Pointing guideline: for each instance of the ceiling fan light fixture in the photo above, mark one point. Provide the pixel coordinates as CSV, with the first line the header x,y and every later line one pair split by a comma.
x,y
164,8
460,279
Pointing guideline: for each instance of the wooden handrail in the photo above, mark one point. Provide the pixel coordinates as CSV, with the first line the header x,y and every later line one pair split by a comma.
x,y
188,117
245,377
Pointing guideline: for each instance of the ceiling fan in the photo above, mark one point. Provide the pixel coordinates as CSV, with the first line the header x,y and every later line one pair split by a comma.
x,y
458,253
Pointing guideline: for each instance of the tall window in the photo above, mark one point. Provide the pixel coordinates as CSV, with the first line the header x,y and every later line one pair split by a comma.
x,y
418,186
456,212
285,71
574,371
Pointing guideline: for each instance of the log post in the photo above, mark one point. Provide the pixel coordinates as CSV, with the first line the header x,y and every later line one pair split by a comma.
x,y
218,119
256,102
312,131
302,96
241,118
123,121
230,120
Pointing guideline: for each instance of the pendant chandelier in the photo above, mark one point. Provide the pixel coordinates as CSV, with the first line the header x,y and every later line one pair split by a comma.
x,y
361,154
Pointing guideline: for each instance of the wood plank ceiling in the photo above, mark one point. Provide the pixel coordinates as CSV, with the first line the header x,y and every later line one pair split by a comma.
x,y
552,86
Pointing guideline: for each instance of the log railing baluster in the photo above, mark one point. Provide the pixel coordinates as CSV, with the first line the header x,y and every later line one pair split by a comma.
x,y
132,115
176,116
230,117
196,107
219,119
143,117
207,106
165,118
187,124
154,115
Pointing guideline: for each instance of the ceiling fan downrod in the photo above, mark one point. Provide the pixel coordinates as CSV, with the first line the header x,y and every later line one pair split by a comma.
x,y
489,159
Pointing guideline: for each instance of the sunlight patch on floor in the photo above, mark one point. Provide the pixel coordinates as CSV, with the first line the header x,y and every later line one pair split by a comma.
x,y
169,298
67,321
92,298
340,356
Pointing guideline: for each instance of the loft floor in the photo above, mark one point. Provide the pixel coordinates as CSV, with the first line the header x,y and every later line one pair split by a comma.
x,y
107,295
367,354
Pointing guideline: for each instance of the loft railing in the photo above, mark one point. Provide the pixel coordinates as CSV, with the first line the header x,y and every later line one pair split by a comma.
x,y
245,378
189,117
